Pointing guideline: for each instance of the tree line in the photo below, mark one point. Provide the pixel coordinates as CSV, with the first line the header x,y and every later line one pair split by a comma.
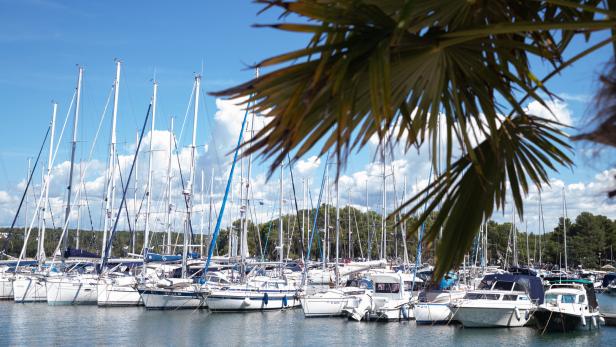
x,y
590,239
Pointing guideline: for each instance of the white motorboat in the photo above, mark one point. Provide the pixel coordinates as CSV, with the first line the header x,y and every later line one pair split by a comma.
x,y
257,294
569,305
502,304
433,306
389,301
332,302
29,288
69,289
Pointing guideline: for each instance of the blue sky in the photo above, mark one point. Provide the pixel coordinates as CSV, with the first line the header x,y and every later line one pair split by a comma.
x,y
43,40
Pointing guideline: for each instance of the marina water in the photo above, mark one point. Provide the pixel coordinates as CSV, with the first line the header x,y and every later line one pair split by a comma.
x,y
42,325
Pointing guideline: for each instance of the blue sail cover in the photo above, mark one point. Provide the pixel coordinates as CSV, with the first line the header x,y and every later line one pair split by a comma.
x,y
532,284
149,257
79,253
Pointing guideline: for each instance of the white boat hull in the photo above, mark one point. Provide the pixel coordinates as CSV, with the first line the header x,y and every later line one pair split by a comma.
x,y
481,317
162,299
6,288
319,306
251,301
29,289
109,294
71,291
431,313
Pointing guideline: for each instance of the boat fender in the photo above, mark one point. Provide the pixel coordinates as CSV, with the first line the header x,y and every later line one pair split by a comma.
x,y
517,313
265,299
593,320
246,301
583,319
405,312
601,320
527,315
285,303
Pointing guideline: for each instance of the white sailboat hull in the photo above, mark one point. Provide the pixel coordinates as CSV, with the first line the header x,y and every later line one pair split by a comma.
x,y
71,291
163,299
6,288
487,317
251,300
29,289
110,294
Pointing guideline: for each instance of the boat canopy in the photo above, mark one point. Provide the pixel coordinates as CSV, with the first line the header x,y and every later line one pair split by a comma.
x,y
531,284
608,278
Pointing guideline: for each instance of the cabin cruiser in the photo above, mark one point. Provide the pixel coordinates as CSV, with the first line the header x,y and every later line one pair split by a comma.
x,y
333,301
259,293
569,305
388,302
501,301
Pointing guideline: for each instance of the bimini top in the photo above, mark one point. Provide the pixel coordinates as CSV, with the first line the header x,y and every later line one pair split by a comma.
x,y
531,284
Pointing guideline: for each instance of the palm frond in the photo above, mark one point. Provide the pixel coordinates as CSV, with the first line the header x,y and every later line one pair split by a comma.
x,y
372,66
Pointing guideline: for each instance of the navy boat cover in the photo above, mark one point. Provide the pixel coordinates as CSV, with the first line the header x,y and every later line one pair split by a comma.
x,y
532,284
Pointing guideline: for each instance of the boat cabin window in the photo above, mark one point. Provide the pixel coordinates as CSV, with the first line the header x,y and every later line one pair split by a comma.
x,y
567,299
481,296
387,287
581,299
551,298
517,287
501,285
522,298
510,297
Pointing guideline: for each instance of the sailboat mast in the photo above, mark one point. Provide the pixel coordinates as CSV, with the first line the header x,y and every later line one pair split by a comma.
x,y
202,215
73,149
565,229
280,223
148,192
209,223
27,199
40,254
191,182
350,232
109,198
337,230
383,226
368,224
168,209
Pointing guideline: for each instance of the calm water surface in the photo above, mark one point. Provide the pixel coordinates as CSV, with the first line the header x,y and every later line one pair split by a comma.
x,y
41,325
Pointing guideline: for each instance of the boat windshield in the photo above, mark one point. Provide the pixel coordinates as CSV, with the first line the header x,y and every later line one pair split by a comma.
x,y
387,288
551,298
567,299
481,296
502,285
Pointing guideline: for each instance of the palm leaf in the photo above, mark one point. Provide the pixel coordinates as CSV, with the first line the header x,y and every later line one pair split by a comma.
x,y
372,66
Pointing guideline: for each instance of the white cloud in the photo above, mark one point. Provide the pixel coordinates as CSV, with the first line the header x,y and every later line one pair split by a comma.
x,y
306,166
560,111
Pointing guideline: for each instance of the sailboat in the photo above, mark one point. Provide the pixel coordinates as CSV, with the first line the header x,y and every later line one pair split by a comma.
x,y
29,284
184,292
